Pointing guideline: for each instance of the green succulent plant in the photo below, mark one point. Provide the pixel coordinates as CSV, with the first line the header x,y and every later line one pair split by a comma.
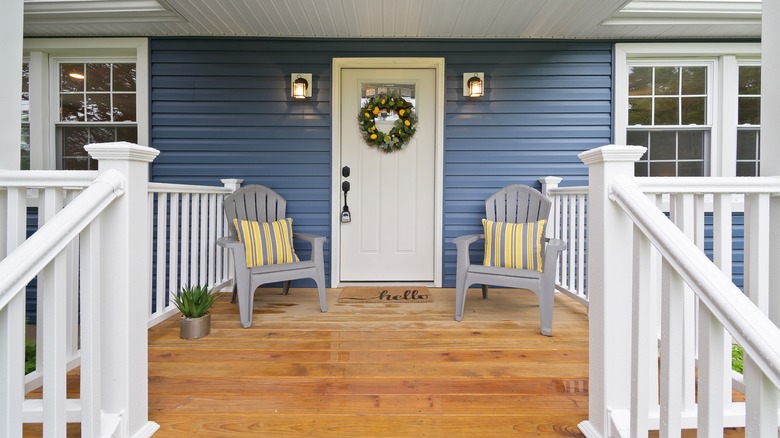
x,y
194,302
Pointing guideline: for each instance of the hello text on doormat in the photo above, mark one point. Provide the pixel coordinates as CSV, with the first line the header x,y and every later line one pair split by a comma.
x,y
385,294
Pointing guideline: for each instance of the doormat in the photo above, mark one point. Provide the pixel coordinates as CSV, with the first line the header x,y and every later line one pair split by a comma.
x,y
385,294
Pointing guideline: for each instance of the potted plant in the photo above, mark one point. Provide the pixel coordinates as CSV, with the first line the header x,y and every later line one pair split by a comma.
x,y
194,303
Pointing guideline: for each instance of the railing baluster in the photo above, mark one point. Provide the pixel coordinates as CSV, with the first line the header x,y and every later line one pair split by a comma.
x,y
53,294
212,265
185,240
565,280
683,215
72,290
672,352
721,255
571,248
90,376
162,220
219,230
644,356
204,229
194,234
13,206
173,261
580,241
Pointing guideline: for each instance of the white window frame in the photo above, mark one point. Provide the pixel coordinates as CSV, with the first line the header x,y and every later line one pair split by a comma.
x,y
725,59
44,56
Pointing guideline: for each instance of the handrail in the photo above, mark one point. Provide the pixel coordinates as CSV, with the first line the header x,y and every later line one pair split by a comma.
x,y
156,187
752,329
574,190
735,185
47,178
24,263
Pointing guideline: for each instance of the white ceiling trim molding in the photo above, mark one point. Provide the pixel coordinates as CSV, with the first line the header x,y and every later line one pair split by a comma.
x,y
84,11
648,12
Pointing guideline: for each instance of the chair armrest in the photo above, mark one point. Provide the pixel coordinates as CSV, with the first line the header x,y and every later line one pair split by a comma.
x,y
317,243
552,250
227,242
462,244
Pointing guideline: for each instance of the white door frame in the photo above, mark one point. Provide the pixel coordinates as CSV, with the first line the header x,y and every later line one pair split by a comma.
x,y
341,63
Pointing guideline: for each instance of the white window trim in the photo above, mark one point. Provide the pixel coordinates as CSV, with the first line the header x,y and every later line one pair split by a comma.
x,y
44,55
723,101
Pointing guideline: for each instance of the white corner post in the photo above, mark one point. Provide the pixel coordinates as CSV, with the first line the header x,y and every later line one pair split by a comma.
x,y
770,133
11,21
610,233
124,287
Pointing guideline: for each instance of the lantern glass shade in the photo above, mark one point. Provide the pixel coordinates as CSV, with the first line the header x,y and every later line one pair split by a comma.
x,y
300,85
299,88
475,87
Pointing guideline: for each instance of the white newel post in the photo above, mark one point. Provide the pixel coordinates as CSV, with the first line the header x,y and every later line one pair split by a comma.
x,y
610,233
124,287
551,182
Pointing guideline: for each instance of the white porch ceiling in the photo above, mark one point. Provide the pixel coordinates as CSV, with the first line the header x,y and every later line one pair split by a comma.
x,y
554,19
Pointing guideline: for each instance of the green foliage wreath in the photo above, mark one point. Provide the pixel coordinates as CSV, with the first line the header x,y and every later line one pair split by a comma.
x,y
402,130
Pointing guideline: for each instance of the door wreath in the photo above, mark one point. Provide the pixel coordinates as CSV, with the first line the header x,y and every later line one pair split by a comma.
x,y
403,128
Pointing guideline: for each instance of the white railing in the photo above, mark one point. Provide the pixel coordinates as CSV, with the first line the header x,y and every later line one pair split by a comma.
x,y
694,305
567,222
91,270
91,296
186,222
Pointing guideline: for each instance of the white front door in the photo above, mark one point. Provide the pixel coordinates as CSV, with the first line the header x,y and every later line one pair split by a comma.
x,y
391,236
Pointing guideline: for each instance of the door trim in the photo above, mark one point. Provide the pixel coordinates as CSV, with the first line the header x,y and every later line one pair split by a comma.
x,y
437,64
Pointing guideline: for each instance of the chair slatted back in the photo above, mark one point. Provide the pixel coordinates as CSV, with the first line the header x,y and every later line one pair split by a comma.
x,y
254,203
517,204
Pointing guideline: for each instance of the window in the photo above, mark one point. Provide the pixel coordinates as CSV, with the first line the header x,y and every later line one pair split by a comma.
x,y
667,113
694,106
80,91
97,104
748,120
25,164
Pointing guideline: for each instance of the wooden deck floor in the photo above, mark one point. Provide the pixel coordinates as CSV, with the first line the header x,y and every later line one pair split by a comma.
x,y
374,370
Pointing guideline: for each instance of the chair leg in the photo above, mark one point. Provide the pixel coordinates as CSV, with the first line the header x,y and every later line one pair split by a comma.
x,y
546,302
245,298
460,296
235,292
321,292
286,287
484,291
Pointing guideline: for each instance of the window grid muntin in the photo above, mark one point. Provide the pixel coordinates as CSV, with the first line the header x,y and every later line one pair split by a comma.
x,y
88,126
644,164
706,128
748,166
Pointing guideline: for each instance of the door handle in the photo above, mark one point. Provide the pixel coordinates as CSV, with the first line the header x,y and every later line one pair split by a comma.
x,y
345,215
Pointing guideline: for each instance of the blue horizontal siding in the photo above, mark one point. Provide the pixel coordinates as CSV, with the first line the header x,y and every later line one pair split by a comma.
x,y
220,108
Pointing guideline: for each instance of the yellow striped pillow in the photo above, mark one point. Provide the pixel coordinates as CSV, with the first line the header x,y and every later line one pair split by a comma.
x,y
518,246
267,243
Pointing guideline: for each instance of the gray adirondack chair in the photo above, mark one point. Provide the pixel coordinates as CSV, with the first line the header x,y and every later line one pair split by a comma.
x,y
259,203
516,204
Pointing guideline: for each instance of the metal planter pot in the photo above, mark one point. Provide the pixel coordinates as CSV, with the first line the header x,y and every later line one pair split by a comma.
x,y
195,328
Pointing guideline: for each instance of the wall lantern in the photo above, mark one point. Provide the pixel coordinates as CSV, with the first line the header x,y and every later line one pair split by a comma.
x,y
474,84
301,85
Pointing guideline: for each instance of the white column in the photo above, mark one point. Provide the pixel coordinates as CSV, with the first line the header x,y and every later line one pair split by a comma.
x,y
770,129
11,21
124,285
610,233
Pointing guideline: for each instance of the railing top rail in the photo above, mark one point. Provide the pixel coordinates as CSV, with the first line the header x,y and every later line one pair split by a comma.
x,y
736,185
156,187
752,329
47,178
35,253
578,190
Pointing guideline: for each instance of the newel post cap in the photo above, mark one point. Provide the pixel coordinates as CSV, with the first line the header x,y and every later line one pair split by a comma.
x,y
121,150
613,153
